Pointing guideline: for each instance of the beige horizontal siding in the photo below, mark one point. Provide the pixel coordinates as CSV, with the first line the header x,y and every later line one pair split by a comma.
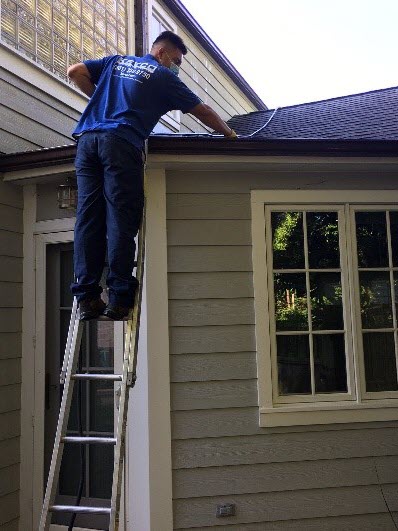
x,y
367,522
306,446
10,371
9,507
11,302
10,345
218,366
234,338
216,206
10,218
288,505
30,117
209,232
10,320
214,285
10,294
214,394
214,258
243,479
11,195
12,143
9,452
210,312
9,479
10,269
10,425
10,244
322,477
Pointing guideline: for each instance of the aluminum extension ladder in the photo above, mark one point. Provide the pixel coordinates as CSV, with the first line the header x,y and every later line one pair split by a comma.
x,y
68,377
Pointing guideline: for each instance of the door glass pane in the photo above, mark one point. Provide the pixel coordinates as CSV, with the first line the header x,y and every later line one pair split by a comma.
x,y
394,237
323,240
326,302
287,240
294,372
290,301
101,345
330,363
376,309
100,481
380,362
101,406
371,231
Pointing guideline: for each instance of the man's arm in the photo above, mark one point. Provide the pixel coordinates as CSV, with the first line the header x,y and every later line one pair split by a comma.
x,y
80,75
210,118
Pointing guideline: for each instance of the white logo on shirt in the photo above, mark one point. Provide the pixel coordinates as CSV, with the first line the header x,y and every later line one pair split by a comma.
x,y
130,68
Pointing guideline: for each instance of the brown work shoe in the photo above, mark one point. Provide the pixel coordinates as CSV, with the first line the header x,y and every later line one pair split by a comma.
x,y
91,309
116,313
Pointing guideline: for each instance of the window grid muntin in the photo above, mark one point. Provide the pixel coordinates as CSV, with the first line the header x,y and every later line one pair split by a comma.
x,y
345,285
59,44
386,208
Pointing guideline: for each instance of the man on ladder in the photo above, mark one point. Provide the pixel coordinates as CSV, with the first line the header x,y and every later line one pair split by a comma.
x,y
128,95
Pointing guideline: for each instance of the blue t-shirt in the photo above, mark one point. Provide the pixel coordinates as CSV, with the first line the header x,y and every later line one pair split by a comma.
x,y
131,95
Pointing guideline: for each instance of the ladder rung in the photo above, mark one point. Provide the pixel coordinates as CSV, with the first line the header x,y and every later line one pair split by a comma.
x,y
89,440
79,509
88,376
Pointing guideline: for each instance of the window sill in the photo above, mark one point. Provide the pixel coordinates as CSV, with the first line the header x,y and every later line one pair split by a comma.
x,y
329,413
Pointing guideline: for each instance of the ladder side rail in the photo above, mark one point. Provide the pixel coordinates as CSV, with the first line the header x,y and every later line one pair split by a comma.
x,y
73,317
53,476
128,380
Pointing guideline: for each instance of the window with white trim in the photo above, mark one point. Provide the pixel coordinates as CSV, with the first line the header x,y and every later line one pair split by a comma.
x,y
326,292
159,22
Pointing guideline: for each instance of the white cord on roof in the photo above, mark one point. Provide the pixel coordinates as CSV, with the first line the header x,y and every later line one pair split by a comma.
x,y
262,127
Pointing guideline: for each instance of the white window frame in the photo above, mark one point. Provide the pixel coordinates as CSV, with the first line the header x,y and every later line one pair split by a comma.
x,y
171,120
356,405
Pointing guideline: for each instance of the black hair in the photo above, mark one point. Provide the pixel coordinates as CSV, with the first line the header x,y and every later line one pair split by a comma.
x,y
173,39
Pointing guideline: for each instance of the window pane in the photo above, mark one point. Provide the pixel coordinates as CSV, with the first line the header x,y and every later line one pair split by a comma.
x,y
326,302
376,311
371,233
101,476
290,301
330,363
66,260
394,237
101,344
69,475
380,363
294,373
323,240
287,240
101,406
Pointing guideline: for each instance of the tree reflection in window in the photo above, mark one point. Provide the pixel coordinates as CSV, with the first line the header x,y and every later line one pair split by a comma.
x,y
376,239
308,301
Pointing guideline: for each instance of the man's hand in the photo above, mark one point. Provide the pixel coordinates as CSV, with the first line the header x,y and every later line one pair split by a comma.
x,y
210,118
80,75
232,134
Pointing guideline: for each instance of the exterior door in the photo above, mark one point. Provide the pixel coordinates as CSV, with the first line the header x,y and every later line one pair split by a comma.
x,y
92,411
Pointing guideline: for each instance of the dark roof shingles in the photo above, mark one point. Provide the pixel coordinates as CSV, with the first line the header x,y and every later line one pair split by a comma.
x,y
371,115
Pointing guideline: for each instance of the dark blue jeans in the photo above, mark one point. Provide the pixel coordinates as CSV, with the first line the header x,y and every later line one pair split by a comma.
x,y
109,174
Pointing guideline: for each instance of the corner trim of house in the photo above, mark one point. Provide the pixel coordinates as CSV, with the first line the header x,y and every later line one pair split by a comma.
x,y
160,465
28,362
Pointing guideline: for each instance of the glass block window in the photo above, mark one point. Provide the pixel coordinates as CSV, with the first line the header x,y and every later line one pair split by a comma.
x,y
58,33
